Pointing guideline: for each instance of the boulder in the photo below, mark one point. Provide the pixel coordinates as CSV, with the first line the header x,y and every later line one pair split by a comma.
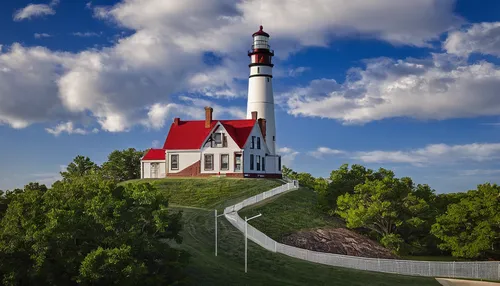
x,y
339,241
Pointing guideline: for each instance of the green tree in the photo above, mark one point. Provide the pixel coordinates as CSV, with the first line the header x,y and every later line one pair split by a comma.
x,y
123,165
471,227
342,182
90,231
80,166
383,205
288,172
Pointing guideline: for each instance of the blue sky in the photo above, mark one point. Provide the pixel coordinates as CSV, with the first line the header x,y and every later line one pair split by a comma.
x,y
407,85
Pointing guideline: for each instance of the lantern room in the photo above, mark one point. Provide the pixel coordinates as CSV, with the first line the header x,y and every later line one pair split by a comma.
x,y
260,39
261,52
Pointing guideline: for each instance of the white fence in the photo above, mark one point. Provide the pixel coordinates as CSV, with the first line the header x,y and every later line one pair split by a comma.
x,y
489,270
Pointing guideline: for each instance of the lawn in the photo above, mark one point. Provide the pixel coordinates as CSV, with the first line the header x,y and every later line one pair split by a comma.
x,y
198,197
289,213
210,193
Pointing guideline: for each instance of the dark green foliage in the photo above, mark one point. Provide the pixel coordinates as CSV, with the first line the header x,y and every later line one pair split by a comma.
x,y
89,231
80,166
123,165
470,228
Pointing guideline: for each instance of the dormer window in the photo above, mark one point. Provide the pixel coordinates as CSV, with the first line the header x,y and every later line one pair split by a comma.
x,y
219,140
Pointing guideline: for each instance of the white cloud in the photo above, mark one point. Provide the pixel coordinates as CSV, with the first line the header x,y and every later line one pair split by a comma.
x,y
69,128
41,35
287,155
192,108
35,10
429,155
86,34
119,85
481,38
297,71
439,88
324,151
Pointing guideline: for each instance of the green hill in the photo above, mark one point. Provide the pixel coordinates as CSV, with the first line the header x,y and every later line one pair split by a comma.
x,y
291,212
197,198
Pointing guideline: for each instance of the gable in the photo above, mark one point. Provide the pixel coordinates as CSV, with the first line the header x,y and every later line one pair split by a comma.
x,y
187,135
257,133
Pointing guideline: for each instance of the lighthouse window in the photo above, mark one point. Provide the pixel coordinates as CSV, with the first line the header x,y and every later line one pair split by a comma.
x,y
258,70
267,79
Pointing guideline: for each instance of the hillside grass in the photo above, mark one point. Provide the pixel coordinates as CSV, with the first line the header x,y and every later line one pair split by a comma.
x,y
211,192
198,197
291,212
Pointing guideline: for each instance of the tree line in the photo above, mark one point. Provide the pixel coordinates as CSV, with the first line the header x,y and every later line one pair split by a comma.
x,y
409,218
88,229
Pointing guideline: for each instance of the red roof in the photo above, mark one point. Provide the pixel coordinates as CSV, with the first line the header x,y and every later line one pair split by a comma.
x,y
190,135
154,154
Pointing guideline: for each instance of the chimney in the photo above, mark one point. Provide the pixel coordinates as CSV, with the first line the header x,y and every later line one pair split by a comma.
x,y
208,116
262,125
254,115
177,120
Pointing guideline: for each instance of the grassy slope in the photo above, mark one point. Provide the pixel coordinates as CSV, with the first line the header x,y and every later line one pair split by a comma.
x,y
289,213
264,267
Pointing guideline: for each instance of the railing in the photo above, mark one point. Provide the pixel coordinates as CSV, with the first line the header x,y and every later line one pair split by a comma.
x,y
489,270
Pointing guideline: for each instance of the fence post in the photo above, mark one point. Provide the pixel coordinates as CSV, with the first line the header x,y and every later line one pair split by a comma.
x,y
453,269
429,268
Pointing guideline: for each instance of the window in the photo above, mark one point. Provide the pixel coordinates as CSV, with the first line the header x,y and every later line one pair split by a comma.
x,y
251,161
224,162
252,146
263,163
218,139
258,163
258,142
174,162
209,162
267,79
279,163
274,138
258,70
237,162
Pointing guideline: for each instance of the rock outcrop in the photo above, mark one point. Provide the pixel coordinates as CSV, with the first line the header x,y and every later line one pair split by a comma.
x,y
338,240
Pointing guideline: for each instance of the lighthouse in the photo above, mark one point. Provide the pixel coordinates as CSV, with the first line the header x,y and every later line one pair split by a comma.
x,y
260,86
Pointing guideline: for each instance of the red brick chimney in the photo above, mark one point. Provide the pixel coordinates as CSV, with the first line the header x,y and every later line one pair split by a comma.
x,y
254,115
262,125
177,120
208,116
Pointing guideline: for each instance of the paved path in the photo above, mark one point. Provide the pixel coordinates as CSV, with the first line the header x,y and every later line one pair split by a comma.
x,y
458,282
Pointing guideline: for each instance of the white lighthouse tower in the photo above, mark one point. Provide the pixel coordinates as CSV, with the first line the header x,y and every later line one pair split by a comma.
x,y
260,86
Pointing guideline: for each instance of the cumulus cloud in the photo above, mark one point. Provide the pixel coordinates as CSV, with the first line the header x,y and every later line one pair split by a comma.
x,y
287,155
481,38
430,154
441,87
126,84
28,89
41,35
69,128
192,108
35,10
